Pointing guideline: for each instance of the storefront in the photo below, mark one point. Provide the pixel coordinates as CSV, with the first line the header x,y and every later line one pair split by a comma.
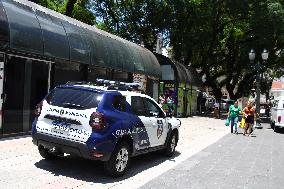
x,y
181,83
40,49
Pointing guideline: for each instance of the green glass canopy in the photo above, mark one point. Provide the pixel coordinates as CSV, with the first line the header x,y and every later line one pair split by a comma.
x,y
30,28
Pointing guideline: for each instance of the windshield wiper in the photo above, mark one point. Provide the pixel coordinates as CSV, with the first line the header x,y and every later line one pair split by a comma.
x,y
70,105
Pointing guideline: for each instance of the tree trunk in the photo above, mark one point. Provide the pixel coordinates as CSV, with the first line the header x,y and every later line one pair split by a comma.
x,y
35,1
69,7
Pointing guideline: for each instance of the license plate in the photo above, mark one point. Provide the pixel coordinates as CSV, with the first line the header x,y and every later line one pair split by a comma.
x,y
59,127
262,111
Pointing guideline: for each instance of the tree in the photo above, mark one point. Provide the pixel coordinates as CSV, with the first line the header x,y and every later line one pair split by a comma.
x,y
140,21
220,35
78,9
70,7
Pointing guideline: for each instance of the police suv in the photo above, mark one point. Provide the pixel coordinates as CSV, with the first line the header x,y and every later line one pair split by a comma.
x,y
106,123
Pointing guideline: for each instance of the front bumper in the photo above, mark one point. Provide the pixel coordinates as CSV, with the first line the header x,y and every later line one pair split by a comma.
x,y
68,146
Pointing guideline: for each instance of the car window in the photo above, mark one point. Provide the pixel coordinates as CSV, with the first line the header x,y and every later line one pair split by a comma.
x,y
137,106
119,103
151,108
74,98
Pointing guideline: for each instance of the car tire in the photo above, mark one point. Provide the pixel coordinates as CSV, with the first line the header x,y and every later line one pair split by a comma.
x,y
272,124
275,129
171,145
46,154
119,161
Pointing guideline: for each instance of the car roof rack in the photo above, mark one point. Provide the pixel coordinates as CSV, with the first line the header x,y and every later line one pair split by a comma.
x,y
109,84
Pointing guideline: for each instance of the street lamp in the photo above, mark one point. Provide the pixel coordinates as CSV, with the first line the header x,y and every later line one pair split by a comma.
x,y
264,56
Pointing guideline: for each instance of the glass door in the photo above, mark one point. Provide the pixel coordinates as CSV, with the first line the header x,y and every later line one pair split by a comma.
x,y
25,85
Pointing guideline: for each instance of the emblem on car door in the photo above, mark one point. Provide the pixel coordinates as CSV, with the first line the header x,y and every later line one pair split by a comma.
x,y
159,128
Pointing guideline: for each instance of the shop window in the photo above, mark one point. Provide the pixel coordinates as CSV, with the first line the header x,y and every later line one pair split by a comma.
x,y
68,71
95,72
120,76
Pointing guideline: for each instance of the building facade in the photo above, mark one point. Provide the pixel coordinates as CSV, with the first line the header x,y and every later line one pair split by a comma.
x,y
182,83
40,48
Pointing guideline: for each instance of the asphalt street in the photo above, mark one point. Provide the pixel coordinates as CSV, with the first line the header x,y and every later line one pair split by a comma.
x,y
235,161
208,156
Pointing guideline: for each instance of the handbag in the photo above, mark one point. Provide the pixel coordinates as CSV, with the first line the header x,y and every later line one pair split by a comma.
x,y
242,123
227,122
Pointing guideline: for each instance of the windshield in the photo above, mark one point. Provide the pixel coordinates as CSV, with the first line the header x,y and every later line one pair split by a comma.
x,y
74,98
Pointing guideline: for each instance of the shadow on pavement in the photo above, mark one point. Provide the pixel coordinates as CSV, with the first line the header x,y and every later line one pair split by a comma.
x,y
14,136
93,171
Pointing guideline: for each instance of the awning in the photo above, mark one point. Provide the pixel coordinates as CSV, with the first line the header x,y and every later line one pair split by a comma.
x,y
183,74
30,28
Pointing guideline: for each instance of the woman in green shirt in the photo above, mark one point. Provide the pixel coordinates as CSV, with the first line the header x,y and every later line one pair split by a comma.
x,y
233,115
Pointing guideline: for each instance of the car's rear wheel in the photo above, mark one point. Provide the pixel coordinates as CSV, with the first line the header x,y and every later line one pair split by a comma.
x,y
275,129
272,124
47,154
119,161
171,145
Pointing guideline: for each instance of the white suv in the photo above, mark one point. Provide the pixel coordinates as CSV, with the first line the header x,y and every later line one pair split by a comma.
x,y
97,123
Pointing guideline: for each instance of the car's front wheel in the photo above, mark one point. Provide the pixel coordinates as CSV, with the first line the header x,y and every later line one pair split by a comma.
x,y
171,145
119,160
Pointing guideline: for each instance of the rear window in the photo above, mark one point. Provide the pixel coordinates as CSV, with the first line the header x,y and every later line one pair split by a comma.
x,y
74,98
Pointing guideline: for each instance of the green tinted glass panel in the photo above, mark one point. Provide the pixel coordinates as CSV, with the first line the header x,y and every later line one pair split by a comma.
x,y
25,32
128,64
138,62
118,55
55,39
98,49
4,27
79,50
156,68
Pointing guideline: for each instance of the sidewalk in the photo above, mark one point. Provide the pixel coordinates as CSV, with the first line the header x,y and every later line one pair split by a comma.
x,y
23,167
235,161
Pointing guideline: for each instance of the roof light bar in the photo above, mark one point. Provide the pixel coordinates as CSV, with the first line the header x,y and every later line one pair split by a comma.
x,y
111,85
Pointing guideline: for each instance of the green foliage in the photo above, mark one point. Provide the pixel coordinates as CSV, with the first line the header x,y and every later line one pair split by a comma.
x,y
221,34
80,11
215,36
137,20
56,5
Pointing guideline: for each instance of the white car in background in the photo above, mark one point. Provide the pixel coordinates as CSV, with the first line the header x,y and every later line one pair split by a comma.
x,y
277,113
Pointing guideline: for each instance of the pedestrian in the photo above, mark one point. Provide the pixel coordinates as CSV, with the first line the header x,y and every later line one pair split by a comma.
x,y
233,115
170,104
249,114
216,110
162,99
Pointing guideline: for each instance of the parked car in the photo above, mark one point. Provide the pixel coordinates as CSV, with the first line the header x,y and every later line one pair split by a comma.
x,y
97,123
209,104
277,113
264,110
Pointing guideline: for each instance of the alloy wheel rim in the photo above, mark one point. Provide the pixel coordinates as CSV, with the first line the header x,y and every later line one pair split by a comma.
x,y
173,143
121,159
